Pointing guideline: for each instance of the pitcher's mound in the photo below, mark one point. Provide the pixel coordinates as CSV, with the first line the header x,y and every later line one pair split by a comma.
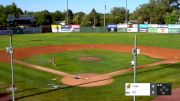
x,y
87,80
89,58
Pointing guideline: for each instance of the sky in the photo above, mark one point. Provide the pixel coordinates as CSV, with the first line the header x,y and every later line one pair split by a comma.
x,y
75,5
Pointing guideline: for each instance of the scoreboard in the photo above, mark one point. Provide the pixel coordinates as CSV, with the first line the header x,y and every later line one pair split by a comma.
x,y
147,89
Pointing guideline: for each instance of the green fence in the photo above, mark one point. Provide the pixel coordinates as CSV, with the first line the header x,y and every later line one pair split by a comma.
x,y
93,29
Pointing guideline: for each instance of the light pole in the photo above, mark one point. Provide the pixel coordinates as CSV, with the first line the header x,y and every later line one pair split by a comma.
x,y
126,19
67,13
104,16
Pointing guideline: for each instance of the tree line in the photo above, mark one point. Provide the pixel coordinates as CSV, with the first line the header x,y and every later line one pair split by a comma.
x,y
156,11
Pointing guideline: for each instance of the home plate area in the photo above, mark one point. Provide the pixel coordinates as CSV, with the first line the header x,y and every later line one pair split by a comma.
x,y
87,80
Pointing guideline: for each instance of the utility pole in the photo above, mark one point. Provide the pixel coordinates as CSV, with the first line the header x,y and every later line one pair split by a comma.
x,y
94,22
67,14
126,19
104,16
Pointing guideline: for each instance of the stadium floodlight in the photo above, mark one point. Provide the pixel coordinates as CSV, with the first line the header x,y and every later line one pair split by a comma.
x,y
104,16
67,17
126,19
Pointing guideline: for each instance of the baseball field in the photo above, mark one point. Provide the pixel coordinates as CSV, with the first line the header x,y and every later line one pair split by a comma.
x,y
87,66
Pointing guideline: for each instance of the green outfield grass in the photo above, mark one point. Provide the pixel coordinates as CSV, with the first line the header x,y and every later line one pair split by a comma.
x,y
148,39
69,61
32,84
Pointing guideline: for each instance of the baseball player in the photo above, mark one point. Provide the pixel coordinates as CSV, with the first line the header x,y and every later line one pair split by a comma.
x,y
53,62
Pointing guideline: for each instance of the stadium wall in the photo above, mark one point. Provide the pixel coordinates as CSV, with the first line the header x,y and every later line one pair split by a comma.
x,y
22,30
151,28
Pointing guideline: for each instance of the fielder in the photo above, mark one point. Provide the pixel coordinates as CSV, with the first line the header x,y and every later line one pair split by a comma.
x,y
53,62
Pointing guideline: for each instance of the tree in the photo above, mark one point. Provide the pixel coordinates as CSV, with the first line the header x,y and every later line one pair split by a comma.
x,y
153,12
5,11
118,14
94,18
43,17
78,17
172,18
1,13
57,16
70,16
85,21
13,9
4,20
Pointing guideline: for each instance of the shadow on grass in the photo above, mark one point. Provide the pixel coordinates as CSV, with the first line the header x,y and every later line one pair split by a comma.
x,y
29,89
174,66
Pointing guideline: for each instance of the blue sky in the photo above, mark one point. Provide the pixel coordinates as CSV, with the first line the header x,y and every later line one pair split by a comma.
x,y
75,5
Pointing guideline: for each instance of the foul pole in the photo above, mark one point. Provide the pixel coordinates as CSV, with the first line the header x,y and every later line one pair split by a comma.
x,y
12,68
135,61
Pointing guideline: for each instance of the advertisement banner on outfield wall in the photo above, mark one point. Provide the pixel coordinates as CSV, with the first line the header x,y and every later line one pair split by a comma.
x,y
112,28
59,28
66,26
65,30
132,25
6,32
163,26
153,25
143,30
75,30
132,29
122,26
75,26
153,30
143,25
3,32
54,28
174,26
122,30
174,30
162,30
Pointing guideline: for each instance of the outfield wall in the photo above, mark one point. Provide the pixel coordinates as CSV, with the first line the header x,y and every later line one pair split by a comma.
x,y
151,28
65,28
22,31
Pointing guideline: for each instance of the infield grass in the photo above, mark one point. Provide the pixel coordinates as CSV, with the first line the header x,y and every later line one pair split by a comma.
x,y
70,61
